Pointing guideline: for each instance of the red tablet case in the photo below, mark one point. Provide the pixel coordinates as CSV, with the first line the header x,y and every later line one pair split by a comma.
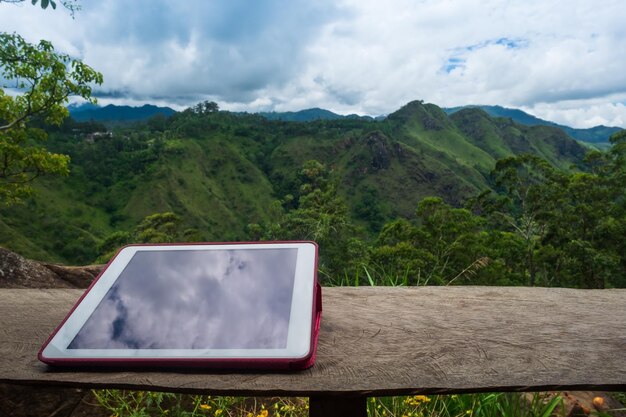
x,y
208,363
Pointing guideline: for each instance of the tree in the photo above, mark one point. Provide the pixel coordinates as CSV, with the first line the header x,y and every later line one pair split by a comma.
x,y
572,223
451,238
617,179
589,230
617,157
398,254
43,80
156,228
205,107
445,245
159,228
533,188
322,216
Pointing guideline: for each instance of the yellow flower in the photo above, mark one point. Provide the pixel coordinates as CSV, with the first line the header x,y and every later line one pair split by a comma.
x,y
205,406
263,413
598,402
218,413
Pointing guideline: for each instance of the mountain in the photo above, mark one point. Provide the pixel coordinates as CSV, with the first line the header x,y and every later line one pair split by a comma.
x,y
501,137
222,171
597,136
309,115
87,112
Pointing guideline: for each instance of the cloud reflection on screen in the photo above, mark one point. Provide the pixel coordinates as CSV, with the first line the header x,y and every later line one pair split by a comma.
x,y
199,299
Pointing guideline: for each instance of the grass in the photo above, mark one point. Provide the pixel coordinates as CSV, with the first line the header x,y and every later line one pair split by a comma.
x,y
41,227
474,405
156,404
189,185
369,275
122,403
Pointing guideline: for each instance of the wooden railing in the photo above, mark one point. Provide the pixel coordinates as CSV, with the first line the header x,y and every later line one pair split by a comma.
x,y
377,342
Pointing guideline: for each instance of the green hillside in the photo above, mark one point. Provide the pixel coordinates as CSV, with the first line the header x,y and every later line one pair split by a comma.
x,y
597,136
222,171
501,137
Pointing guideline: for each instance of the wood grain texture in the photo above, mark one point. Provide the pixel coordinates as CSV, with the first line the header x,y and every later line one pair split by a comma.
x,y
380,341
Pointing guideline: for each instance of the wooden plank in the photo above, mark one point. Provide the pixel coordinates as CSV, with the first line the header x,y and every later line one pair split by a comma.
x,y
381,341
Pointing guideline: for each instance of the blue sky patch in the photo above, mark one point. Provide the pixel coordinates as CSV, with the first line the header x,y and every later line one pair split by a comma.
x,y
453,63
506,42
459,55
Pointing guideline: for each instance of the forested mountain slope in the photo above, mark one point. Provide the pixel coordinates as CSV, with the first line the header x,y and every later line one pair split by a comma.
x,y
597,136
221,171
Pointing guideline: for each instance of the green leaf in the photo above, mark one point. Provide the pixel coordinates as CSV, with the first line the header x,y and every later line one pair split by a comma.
x,y
52,77
547,412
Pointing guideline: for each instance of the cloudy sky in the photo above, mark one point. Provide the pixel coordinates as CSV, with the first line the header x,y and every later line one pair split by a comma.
x,y
560,60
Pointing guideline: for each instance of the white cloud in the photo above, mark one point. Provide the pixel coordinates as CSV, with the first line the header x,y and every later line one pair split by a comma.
x,y
585,114
561,61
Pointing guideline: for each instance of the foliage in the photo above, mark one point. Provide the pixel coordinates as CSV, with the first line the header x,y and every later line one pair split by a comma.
x,y
143,404
44,80
158,404
204,108
444,245
364,190
155,228
571,224
475,405
322,216
530,188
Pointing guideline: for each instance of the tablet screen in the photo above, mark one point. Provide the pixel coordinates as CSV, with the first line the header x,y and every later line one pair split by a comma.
x,y
196,299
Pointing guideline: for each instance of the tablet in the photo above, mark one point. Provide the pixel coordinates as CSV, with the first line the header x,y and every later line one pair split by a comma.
x,y
216,305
